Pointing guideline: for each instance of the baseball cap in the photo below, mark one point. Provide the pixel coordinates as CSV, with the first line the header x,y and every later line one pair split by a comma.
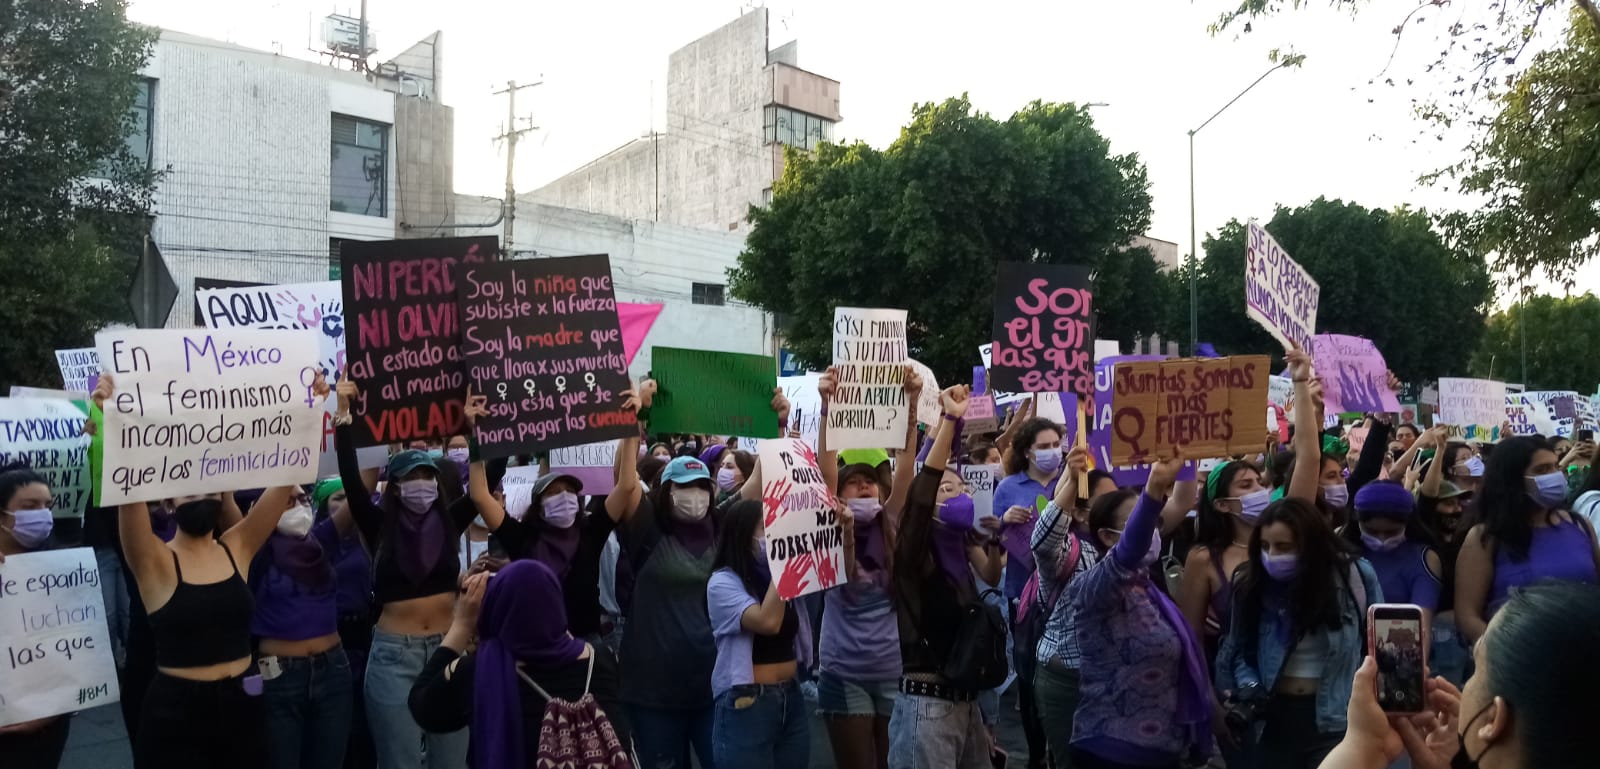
x,y
868,457
685,470
403,463
859,468
1448,490
545,480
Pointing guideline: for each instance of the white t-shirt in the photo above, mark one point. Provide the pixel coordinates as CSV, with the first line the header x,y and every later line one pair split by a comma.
x,y
1588,505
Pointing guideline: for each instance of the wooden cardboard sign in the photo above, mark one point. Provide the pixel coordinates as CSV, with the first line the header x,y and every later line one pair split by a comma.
x,y
1213,407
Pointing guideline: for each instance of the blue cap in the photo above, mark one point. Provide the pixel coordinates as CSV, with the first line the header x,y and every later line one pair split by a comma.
x,y
403,463
685,470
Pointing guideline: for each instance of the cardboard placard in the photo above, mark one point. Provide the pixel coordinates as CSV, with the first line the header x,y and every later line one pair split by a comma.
x,y
47,435
981,416
595,464
805,543
1213,407
55,647
200,411
928,408
713,393
870,409
1128,475
1475,409
1354,376
1279,293
539,339
1043,329
78,367
403,335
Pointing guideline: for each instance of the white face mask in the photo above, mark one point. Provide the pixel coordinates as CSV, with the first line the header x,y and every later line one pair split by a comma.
x,y
690,504
296,522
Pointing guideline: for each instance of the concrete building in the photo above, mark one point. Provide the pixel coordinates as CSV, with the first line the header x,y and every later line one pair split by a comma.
x,y
270,161
732,107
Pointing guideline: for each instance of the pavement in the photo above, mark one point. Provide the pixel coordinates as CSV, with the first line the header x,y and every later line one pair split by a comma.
x,y
99,741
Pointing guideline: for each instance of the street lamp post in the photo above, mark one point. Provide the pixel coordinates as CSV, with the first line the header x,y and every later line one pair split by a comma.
x,y
1292,60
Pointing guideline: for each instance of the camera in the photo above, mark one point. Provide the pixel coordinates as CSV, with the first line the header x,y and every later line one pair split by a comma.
x,y
1245,707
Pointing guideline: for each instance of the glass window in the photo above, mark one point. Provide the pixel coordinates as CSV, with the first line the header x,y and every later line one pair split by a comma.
x,y
358,168
706,293
796,129
136,127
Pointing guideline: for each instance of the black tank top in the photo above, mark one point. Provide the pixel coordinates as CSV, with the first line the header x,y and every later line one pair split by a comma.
x,y
204,624
770,649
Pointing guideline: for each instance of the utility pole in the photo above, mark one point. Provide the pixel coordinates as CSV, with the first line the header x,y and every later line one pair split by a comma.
x,y
510,135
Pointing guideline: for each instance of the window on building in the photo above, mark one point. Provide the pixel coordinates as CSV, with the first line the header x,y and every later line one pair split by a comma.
x,y
359,167
796,129
136,126
706,293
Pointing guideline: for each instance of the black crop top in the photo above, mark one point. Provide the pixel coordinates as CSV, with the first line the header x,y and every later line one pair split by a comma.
x,y
771,649
389,583
204,624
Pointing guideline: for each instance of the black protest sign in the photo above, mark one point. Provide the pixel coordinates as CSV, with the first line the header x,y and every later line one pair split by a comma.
x,y
540,339
203,285
1043,329
403,335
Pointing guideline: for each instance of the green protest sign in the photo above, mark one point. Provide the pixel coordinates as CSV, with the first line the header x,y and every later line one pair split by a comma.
x,y
713,393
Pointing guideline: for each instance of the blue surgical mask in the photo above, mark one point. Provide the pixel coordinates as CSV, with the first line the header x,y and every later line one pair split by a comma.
x,y
864,509
726,478
1251,505
1281,567
30,528
1047,460
561,510
1337,495
1379,545
459,456
1549,490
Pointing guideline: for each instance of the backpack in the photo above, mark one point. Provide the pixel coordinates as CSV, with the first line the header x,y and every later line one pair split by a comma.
x,y
578,735
1033,612
977,658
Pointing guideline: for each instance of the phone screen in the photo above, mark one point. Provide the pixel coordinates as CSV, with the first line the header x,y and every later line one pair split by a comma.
x,y
1398,642
1586,435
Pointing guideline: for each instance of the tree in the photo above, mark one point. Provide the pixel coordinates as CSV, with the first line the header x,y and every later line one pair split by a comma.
x,y
922,225
1384,275
73,199
1560,334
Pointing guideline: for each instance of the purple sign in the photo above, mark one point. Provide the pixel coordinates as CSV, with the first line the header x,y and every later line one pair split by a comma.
x,y
1354,376
1100,431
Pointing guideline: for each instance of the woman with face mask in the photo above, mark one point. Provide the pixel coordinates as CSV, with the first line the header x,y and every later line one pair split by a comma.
x,y
668,546
1440,506
1391,537
25,526
733,469
1525,707
936,723
1527,535
761,716
1230,505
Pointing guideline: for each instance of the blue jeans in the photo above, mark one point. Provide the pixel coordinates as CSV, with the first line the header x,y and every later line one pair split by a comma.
x,y
392,668
1447,654
762,727
662,738
308,711
930,733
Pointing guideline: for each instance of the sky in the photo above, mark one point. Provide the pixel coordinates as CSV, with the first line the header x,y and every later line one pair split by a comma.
x,y
1319,130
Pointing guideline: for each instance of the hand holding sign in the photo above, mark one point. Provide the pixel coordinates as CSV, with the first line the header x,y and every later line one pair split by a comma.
x,y
954,401
1163,474
476,406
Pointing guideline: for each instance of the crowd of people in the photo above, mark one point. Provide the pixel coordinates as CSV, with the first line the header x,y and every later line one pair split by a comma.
x,y
433,614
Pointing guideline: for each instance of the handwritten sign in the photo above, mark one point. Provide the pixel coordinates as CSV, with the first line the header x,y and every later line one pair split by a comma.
x,y
1473,408
928,407
981,416
805,544
199,411
1133,474
79,367
870,409
47,435
1279,293
540,339
403,335
981,481
595,464
55,648
1354,376
314,306
1213,407
1043,329
713,393
1549,413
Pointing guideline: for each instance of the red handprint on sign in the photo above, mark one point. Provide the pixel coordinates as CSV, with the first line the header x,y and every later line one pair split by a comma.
x,y
827,571
806,453
772,495
793,581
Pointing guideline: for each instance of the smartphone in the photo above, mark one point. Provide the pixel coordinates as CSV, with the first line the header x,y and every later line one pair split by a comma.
x,y
1397,637
1586,435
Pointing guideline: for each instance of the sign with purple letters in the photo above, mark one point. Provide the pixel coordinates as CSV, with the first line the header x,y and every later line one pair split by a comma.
x,y
1278,293
1354,376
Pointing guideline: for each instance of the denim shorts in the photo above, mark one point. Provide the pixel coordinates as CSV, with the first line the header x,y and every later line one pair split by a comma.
x,y
839,697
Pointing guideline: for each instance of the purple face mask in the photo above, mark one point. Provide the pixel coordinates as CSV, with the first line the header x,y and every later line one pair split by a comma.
x,y
1281,567
419,495
957,512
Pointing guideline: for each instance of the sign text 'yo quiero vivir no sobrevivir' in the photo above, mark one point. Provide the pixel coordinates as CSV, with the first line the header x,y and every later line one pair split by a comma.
x,y
805,540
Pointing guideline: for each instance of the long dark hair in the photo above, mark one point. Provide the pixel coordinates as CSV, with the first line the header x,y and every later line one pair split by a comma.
x,y
745,461
1016,458
1213,529
1539,642
1504,504
1324,562
734,549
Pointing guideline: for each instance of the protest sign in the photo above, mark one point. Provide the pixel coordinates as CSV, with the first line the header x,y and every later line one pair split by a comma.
x,y
1473,408
1280,390
595,464
713,393
805,544
981,416
981,481
403,335
57,648
1132,474
201,411
1043,328
315,306
928,407
203,285
47,436
870,409
540,339
1354,376
76,396
1001,397
1106,348
1213,407
1050,405
1279,293
1549,413
79,368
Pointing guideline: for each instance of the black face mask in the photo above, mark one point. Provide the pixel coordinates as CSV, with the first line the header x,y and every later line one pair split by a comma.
x,y
198,518
1462,760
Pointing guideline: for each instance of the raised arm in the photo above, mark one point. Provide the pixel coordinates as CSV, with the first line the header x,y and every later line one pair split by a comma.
x,y
954,400
1307,427
904,471
246,537
231,515
1370,463
1184,496
624,497
1053,524
358,496
1014,423
1436,437
1141,526
147,556
827,456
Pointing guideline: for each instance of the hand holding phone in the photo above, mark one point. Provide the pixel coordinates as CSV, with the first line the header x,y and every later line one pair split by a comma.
x,y
1397,638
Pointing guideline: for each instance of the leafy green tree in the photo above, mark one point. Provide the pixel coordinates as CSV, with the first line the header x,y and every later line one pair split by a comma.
x,y
73,199
922,225
1384,275
1560,335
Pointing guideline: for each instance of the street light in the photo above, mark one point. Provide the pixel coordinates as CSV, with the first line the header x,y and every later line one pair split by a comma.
x,y
1291,60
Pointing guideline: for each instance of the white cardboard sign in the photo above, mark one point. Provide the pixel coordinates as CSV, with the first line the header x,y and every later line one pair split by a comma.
x,y
55,650
870,409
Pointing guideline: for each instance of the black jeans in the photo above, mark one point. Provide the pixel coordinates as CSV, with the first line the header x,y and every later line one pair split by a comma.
x,y
201,725
1290,739
36,750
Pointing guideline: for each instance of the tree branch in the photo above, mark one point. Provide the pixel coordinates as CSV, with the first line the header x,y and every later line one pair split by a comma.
x,y
1590,11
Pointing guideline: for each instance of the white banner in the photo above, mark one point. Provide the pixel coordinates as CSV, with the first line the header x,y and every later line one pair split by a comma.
x,y
928,407
54,645
1549,413
1279,294
593,464
805,543
47,435
870,409
1475,408
196,412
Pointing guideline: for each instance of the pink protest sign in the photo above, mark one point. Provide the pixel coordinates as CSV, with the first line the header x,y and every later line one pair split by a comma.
x,y
635,321
1354,376
1043,329
1278,293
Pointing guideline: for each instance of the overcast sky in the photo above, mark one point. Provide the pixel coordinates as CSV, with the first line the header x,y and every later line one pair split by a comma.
x,y
1317,130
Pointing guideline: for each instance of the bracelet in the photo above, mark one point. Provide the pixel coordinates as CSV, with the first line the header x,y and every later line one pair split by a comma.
x,y
824,410
1301,381
951,418
473,452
